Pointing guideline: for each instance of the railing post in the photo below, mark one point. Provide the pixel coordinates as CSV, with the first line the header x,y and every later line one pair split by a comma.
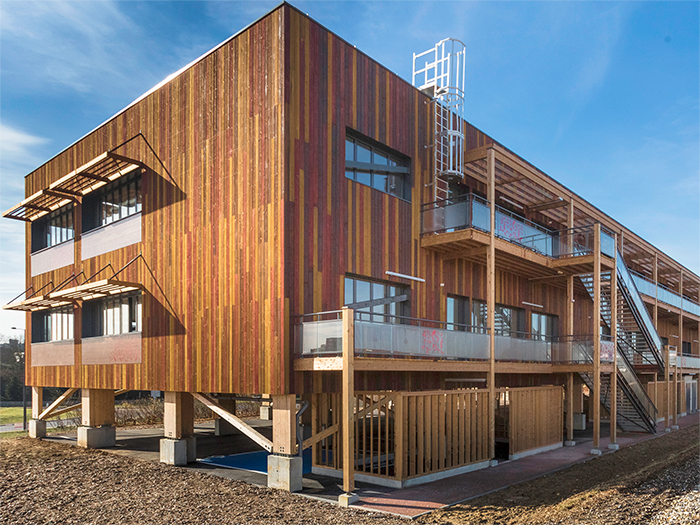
x,y
399,451
613,376
348,407
491,301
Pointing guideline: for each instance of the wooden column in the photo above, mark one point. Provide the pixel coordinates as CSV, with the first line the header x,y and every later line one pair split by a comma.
x,y
37,401
613,335
655,276
178,415
570,407
284,424
348,400
667,379
595,397
491,300
679,353
97,407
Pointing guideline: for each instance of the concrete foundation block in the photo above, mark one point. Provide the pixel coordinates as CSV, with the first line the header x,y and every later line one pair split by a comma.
x,y
674,427
345,500
667,429
97,437
223,428
579,421
178,451
596,452
284,472
614,446
266,413
37,428
569,443
493,463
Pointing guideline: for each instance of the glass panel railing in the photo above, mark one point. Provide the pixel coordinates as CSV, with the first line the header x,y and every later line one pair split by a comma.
x,y
523,349
690,361
515,228
690,306
648,287
626,277
385,339
466,211
320,337
607,242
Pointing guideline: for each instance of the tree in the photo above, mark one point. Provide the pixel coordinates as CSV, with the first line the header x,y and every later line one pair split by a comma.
x,y
11,368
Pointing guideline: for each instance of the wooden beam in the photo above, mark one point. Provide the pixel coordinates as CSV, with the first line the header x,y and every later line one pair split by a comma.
x,y
233,420
320,436
348,400
59,401
570,406
549,205
475,154
667,379
178,415
97,407
474,252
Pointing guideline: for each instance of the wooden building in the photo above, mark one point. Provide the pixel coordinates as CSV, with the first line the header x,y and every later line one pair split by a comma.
x,y
270,220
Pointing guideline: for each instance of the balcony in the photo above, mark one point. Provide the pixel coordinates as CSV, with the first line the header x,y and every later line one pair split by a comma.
x,y
402,337
666,295
455,225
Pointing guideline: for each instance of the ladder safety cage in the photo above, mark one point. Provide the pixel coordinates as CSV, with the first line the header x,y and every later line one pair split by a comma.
x,y
440,72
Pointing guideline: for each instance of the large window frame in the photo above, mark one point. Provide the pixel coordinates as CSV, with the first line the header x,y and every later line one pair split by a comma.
x,y
509,320
359,290
56,324
117,200
53,229
544,326
377,166
114,315
457,312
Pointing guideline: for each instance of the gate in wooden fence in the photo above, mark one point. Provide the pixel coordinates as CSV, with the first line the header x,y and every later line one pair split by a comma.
x,y
404,437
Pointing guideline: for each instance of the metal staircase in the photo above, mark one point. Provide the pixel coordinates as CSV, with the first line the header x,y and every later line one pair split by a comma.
x,y
637,344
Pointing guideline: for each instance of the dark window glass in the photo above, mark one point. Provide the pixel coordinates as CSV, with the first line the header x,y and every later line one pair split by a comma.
x,y
113,202
361,291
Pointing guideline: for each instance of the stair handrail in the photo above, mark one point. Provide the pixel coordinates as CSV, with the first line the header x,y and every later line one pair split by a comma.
x,y
639,311
640,398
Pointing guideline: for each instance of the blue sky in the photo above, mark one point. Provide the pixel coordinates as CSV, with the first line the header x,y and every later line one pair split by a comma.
x,y
603,96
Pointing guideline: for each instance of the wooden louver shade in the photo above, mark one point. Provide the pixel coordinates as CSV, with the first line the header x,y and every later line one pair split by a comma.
x,y
101,170
83,292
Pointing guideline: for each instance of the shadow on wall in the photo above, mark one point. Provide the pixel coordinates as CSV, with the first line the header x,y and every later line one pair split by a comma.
x,y
161,320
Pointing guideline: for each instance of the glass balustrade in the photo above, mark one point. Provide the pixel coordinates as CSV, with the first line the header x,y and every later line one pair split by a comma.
x,y
472,211
648,287
402,337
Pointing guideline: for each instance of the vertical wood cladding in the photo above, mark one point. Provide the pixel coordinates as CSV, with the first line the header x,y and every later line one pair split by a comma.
x,y
214,311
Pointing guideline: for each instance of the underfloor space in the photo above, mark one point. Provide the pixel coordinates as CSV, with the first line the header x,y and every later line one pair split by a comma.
x,y
410,502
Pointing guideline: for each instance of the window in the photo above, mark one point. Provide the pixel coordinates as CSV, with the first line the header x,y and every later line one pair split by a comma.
x,y
457,312
377,166
686,350
112,316
509,321
53,229
52,325
113,202
380,299
544,325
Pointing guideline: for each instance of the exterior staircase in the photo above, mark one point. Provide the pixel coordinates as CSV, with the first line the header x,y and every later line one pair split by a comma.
x,y
638,344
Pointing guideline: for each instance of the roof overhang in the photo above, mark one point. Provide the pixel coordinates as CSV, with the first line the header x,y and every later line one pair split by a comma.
x,y
101,170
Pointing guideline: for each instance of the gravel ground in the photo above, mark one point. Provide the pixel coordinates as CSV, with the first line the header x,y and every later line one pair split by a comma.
x,y
41,482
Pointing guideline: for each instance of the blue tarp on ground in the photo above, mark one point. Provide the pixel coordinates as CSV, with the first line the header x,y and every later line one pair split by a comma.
x,y
255,461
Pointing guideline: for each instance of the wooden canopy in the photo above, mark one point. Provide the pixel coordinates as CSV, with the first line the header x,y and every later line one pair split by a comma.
x,y
101,170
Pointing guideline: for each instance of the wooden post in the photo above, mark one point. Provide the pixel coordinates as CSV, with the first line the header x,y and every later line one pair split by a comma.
x,y
613,337
655,275
491,301
284,424
348,400
37,401
679,354
667,379
97,407
570,408
399,451
178,415
595,398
